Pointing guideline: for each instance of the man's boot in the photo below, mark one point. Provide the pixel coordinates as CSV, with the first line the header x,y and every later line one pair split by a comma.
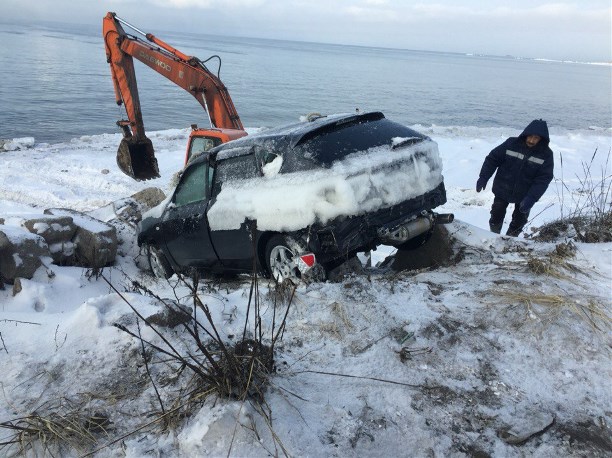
x,y
513,231
496,227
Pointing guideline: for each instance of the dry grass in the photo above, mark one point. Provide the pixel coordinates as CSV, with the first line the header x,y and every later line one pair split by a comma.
x,y
587,308
54,429
555,264
339,311
586,212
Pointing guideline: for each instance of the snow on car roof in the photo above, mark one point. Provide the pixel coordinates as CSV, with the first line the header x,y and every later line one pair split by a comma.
x,y
289,135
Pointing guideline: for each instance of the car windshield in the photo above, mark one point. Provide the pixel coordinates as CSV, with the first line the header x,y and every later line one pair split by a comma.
x,y
341,140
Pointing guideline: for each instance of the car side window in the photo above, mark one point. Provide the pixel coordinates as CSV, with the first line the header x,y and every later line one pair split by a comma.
x,y
232,169
193,185
264,156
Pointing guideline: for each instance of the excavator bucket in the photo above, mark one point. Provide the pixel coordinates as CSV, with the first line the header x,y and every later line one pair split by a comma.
x,y
136,158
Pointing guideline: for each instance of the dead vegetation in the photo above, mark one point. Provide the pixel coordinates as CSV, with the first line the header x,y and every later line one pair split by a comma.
x,y
586,213
56,427
549,306
556,263
183,373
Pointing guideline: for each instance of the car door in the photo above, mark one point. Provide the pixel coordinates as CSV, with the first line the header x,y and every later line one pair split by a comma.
x,y
234,247
184,224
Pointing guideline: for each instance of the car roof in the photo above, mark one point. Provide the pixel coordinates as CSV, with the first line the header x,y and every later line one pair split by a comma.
x,y
291,135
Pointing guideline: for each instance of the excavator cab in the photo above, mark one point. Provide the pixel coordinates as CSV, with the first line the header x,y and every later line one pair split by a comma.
x,y
201,140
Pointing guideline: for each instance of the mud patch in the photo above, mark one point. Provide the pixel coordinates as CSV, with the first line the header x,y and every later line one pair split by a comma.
x,y
437,252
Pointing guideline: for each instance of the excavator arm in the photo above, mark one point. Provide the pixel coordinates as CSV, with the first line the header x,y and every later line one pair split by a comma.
x,y
135,156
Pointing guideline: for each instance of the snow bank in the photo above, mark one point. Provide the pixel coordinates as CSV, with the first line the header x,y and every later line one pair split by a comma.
x,y
17,144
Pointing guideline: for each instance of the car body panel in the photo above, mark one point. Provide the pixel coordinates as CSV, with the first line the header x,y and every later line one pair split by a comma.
x,y
332,183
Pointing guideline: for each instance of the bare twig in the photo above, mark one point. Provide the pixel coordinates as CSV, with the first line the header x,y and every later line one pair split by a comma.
x,y
3,344
146,362
19,322
375,379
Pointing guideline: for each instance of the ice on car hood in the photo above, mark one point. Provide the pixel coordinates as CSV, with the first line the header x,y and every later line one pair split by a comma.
x,y
363,182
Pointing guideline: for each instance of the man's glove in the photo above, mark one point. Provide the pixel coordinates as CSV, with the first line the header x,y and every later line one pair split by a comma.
x,y
526,204
480,184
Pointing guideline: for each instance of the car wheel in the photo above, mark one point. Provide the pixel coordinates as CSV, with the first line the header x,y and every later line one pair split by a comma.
x,y
158,263
281,259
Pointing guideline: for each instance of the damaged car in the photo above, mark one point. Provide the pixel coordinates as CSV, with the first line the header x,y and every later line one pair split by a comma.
x,y
296,201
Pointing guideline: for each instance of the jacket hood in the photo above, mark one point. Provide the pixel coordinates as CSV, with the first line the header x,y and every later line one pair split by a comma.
x,y
537,127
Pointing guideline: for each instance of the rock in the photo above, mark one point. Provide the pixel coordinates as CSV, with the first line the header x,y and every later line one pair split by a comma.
x,y
149,198
20,253
64,253
17,286
54,229
96,241
129,209
530,424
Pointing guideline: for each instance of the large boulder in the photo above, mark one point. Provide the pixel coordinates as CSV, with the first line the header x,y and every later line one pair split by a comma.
x,y
58,232
20,253
130,209
54,229
96,241
149,198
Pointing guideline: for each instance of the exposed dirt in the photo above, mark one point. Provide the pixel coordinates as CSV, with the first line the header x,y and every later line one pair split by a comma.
x,y
437,252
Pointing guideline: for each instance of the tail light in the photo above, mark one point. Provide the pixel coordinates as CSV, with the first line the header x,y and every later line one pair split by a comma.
x,y
306,261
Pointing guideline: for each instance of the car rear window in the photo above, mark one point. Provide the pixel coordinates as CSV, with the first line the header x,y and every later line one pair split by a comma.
x,y
339,141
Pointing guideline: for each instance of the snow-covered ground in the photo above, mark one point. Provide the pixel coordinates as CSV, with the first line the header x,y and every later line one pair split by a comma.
x,y
443,362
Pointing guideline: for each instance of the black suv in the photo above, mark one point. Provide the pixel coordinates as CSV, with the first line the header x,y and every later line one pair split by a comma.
x,y
298,200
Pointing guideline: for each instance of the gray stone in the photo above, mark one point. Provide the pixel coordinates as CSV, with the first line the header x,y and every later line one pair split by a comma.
x,y
20,253
95,240
149,198
64,253
527,425
54,229
17,288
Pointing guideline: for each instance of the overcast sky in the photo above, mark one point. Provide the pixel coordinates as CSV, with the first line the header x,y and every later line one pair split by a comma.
x,y
555,29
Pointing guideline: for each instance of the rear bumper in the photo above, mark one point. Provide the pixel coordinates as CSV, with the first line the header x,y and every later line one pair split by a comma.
x,y
345,236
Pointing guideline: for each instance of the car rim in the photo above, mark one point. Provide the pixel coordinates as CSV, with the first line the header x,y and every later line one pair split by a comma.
x,y
282,264
156,265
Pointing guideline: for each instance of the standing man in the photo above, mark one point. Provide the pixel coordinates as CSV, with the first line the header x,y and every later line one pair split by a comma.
x,y
524,167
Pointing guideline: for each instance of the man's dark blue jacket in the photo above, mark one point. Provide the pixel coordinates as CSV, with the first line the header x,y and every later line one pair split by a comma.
x,y
521,171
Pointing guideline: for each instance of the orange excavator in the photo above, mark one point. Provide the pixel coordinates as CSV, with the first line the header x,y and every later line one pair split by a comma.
x,y
135,156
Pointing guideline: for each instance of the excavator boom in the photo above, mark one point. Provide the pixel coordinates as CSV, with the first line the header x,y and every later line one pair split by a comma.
x,y
135,156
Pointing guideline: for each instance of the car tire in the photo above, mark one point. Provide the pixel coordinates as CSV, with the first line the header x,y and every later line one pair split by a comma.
x,y
281,259
159,265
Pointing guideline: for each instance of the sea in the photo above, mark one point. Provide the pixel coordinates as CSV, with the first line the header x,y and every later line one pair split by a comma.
x,y
55,84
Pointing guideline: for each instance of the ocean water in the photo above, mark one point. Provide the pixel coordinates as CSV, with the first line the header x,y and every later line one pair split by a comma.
x,y
55,85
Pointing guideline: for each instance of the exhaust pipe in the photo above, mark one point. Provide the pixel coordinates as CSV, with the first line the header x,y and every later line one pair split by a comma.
x,y
406,231
443,218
